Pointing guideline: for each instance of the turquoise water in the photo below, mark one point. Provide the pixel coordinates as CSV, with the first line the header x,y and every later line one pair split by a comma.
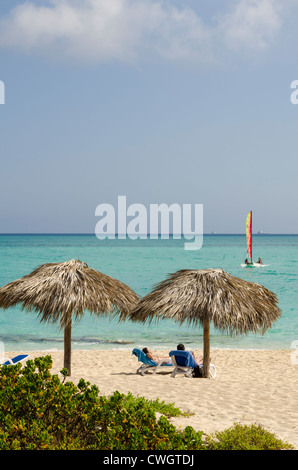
x,y
141,264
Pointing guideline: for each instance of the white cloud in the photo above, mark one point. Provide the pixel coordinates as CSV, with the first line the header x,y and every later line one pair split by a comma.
x,y
101,30
252,24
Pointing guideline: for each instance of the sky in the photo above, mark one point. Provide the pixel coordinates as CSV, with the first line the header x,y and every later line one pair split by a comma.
x,y
183,102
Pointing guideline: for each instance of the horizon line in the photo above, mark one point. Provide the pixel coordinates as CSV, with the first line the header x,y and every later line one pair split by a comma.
x,y
139,235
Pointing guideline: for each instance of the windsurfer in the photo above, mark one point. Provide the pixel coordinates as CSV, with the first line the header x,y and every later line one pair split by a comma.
x,y
260,261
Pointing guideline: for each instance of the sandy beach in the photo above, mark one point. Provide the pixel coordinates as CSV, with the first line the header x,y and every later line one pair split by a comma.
x,y
250,387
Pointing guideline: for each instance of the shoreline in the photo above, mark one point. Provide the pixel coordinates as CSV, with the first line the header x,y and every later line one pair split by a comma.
x,y
251,386
154,347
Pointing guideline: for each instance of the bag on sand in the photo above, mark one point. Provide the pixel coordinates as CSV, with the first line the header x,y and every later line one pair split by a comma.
x,y
198,372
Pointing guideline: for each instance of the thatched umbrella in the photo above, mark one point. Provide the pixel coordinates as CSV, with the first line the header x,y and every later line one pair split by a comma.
x,y
201,296
60,292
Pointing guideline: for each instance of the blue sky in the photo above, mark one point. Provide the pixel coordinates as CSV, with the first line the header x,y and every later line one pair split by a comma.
x,y
164,102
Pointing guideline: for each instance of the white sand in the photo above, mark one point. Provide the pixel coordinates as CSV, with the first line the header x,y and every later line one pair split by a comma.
x,y
250,387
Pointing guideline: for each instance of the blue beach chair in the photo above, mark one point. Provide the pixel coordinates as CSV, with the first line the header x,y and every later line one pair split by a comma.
x,y
185,363
6,361
148,364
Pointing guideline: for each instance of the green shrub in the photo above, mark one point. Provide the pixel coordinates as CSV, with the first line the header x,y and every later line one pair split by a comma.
x,y
167,409
243,437
39,411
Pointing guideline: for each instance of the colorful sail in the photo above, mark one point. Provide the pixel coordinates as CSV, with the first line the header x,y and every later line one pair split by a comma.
x,y
248,234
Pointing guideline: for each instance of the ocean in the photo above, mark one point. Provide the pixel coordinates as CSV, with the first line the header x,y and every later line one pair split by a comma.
x,y
141,264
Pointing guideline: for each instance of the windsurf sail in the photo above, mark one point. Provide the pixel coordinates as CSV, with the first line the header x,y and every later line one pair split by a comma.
x,y
248,235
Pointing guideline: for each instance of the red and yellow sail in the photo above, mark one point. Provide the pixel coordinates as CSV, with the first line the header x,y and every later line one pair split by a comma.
x,y
248,234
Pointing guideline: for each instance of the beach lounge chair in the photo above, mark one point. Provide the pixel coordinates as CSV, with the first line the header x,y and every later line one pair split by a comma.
x,y
185,363
6,361
148,364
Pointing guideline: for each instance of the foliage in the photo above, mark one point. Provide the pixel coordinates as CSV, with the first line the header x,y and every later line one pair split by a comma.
x,y
243,437
167,409
39,411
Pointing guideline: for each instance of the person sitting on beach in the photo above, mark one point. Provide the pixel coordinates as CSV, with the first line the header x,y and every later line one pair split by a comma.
x,y
198,359
155,358
260,261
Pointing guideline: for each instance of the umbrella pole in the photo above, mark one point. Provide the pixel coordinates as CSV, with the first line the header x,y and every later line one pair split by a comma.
x,y
67,347
206,353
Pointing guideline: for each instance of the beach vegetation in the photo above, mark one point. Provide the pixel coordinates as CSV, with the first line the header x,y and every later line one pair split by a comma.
x,y
167,409
246,437
39,410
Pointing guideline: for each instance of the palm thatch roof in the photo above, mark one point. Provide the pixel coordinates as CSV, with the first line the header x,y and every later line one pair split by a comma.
x,y
193,296
62,291
210,295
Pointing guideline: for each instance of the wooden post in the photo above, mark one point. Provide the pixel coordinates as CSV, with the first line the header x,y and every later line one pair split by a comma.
x,y
206,352
67,347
